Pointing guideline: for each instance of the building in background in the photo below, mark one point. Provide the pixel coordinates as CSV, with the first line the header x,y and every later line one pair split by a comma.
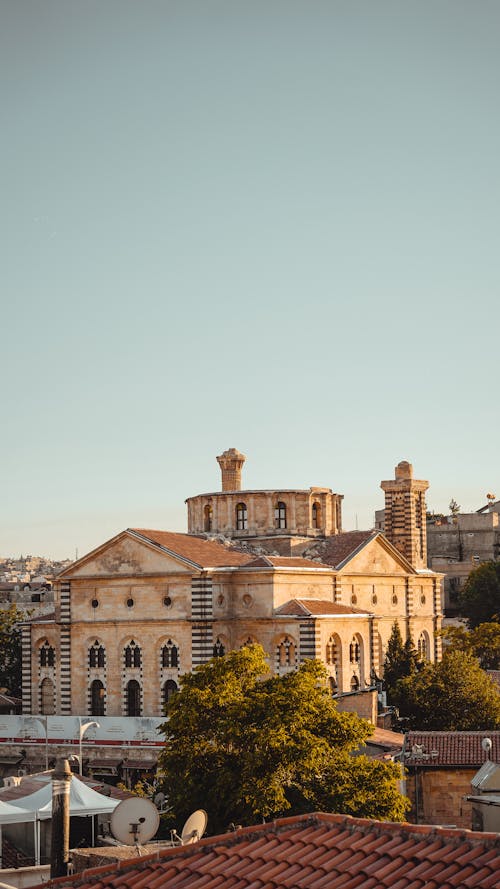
x,y
145,607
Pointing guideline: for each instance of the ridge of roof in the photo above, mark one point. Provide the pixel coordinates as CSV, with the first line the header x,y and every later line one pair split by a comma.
x,y
194,548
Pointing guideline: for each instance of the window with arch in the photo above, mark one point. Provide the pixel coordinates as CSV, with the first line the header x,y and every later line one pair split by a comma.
x,y
133,698
47,655
97,698
219,649
97,655
241,517
207,518
354,683
170,655
286,652
332,685
47,697
280,515
316,514
354,651
132,656
249,641
169,689
332,652
422,647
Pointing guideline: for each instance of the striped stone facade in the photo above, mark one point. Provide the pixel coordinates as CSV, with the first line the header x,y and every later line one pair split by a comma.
x,y
65,648
202,637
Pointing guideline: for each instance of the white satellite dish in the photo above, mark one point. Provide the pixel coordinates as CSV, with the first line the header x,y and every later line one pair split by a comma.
x,y
134,821
194,827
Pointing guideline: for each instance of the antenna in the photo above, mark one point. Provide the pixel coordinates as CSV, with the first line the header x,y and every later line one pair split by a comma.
x,y
134,821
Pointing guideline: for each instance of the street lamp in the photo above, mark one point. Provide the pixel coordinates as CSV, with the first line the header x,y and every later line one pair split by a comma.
x,y
83,728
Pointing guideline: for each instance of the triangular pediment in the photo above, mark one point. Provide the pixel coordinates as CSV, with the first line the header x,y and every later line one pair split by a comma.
x,y
126,555
377,556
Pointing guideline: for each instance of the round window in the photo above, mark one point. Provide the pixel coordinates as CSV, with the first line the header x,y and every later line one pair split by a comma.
x,y
130,603
422,599
167,601
95,603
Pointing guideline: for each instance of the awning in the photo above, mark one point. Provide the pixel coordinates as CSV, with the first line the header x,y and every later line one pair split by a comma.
x,y
11,760
104,766
145,764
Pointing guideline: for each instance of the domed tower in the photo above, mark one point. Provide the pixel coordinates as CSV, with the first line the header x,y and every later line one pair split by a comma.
x,y
279,520
405,514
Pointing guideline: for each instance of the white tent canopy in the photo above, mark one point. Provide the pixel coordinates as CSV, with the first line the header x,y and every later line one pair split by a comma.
x,y
82,801
14,814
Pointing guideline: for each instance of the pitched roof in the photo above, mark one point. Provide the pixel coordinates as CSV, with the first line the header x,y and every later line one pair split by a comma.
x,y
337,549
266,561
313,851
202,552
312,607
453,748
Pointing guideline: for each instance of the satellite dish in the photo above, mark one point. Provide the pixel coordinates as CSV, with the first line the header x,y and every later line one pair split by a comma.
x,y
486,744
194,827
134,821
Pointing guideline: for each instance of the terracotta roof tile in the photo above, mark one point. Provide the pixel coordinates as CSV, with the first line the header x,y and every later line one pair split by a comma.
x,y
205,553
336,549
453,748
311,607
312,852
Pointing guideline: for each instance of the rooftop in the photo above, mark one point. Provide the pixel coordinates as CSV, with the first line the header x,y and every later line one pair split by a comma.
x,y
311,852
454,748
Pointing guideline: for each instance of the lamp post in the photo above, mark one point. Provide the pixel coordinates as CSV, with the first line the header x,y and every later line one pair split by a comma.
x,y
83,728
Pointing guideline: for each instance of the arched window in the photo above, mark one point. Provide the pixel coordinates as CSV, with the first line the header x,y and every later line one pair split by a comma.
x,y
354,683
331,652
332,684
316,515
241,517
219,650
248,642
133,698
47,697
169,689
47,655
280,515
97,693
97,655
170,655
422,647
207,518
132,655
354,651
286,653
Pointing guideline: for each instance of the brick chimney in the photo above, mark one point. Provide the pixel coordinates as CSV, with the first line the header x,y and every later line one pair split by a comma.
x,y
231,463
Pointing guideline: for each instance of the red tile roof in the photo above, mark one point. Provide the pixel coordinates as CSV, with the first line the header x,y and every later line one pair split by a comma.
x,y
284,562
312,607
311,852
336,549
453,748
205,553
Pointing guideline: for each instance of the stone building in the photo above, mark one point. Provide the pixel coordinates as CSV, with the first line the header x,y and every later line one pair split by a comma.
x,y
147,605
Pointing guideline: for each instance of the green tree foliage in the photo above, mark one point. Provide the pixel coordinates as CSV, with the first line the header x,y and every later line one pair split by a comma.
x,y
453,695
245,746
401,660
483,642
479,600
10,650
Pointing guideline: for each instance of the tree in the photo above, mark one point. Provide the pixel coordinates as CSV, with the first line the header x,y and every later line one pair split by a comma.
x,y
479,600
401,660
10,650
454,695
483,642
245,746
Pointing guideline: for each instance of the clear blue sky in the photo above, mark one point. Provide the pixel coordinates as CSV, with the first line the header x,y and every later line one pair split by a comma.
x,y
271,225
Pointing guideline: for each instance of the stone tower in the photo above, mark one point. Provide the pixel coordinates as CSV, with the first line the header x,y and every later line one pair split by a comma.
x,y
405,514
231,463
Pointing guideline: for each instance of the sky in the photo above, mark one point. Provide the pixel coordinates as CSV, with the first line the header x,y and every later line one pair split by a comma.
x,y
270,225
